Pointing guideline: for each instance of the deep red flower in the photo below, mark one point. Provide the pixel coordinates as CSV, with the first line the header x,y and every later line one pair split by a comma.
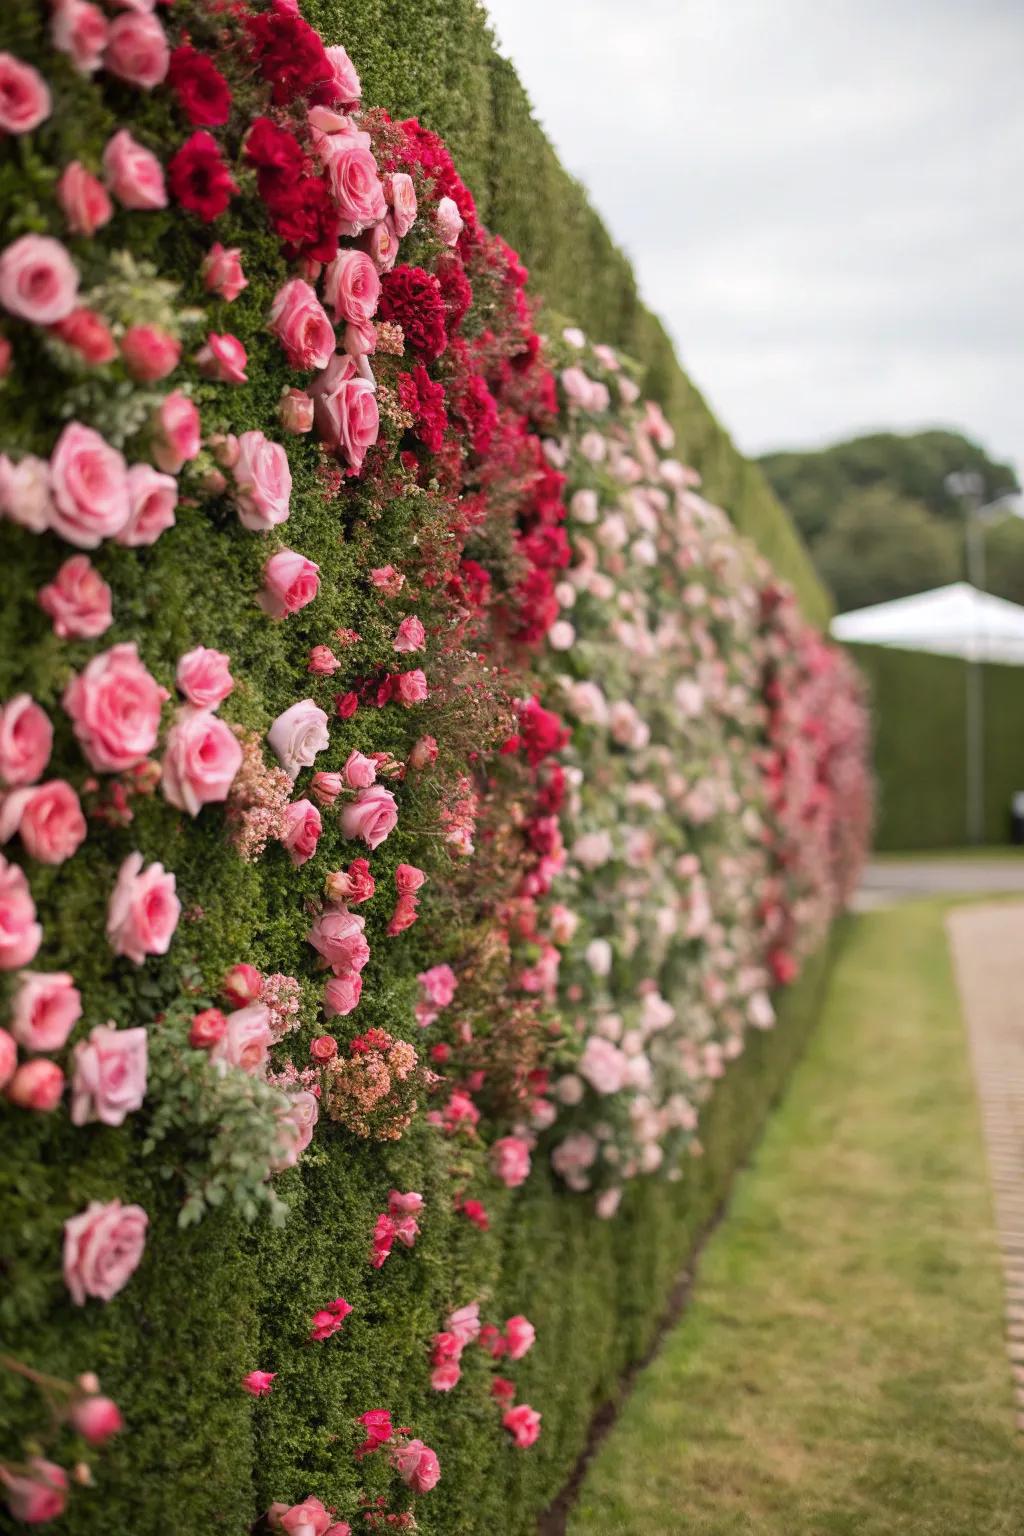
x,y
290,55
305,219
541,731
424,400
412,299
277,155
202,91
455,289
478,409
199,179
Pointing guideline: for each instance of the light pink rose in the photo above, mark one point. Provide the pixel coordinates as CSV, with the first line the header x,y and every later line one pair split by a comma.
x,y
38,280
133,174
359,772
297,1125
47,817
37,1495
523,1424
80,29
409,879
25,492
204,677
520,1335
381,244
411,635
372,816
337,934
297,735
300,323
78,600
89,485
417,1465
360,339
344,77
24,96
143,911
109,1079
153,497
296,411
8,1058
37,1085
246,1040
401,196
102,1248
177,432
387,580
351,286
45,1009
84,200
114,706
20,934
345,407
26,741
357,189
201,759
341,995
510,1160
263,482
438,985
223,359
449,220
309,1518
302,828
149,353
137,50
423,754
222,273
603,1065
412,687
290,582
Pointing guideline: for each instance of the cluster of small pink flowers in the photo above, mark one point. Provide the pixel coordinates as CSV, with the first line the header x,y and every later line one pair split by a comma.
x,y
397,1224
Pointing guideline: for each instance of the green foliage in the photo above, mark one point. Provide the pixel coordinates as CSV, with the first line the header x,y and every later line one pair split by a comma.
x,y
880,546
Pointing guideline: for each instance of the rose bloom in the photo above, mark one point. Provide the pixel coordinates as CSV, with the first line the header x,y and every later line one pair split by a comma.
x,y
296,411
381,244
201,758
47,817
408,879
412,688
263,482
344,78
523,1423
258,1383
297,1125
246,1040
323,1048
114,706
37,1085
372,816
221,271
143,911
417,1465
44,1010
302,828
357,189
153,497
322,661
309,1518
424,753
510,1160
359,772
223,359
207,1028
8,1057
351,885
149,353
290,581
78,600
351,286
326,787
84,200
338,936
387,580
438,985
38,280
242,985
448,220
297,735
102,1248
341,995
176,436
204,677
20,934
39,1494
90,487
520,1335
96,1419
88,334
301,325
133,174
80,29
603,1065
24,96
411,635
25,492
345,410
110,1075
137,50
26,740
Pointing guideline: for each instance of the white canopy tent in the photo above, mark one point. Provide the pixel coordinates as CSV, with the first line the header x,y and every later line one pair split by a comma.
x,y
957,620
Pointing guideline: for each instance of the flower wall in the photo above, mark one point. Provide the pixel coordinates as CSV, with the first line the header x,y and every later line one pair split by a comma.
x,y
414,793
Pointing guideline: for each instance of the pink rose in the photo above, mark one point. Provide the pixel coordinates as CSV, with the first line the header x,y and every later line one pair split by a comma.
x,y
381,244
351,286
360,339
297,735
372,816
296,411
114,706
445,1376
137,50
520,1335
37,1085
246,1040
338,936
223,359
153,497
176,438
387,580
201,759
302,828
96,1419
341,995
204,677
297,1126
222,273
47,817
309,1518
143,911
408,879
242,985
84,200
206,1028
300,323
25,492
411,635
44,1010
149,353
523,1423
38,280
351,886
38,1494
20,934
438,985
89,484
510,1160
263,483
412,688
77,600
359,772
345,409
102,1248
449,221
80,29
88,334
258,1383
26,741
322,661
290,581
133,174
417,1465
358,194
423,754
401,194
110,1075
8,1057
24,96
323,1048
326,787
344,77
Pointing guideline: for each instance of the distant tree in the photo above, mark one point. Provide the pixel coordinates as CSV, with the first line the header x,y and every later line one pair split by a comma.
x,y
1004,559
880,546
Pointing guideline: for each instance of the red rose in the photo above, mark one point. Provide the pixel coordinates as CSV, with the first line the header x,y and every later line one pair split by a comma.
x,y
305,219
290,55
412,298
202,91
199,179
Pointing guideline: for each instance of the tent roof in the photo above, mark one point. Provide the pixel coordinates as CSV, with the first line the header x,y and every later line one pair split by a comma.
x,y
957,620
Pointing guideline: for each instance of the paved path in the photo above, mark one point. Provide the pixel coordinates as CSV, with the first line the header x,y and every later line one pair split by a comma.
x,y
887,881
988,956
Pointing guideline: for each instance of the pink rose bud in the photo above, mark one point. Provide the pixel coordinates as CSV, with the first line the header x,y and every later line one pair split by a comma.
x,y
37,1084
84,200
242,985
39,1493
258,1383
207,1028
149,353
449,221
359,772
290,583
326,787
510,1160
88,334
341,995
223,359
323,1048
401,195
424,753
225,448
322,661
24,96
176,433
96,1419
213,482
8,1057
411,635
77,600
26,740
523,1423
296,411
88,1382
352,885
133,174
222,272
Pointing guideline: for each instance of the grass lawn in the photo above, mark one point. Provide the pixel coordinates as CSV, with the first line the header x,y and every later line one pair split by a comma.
x,y
841,1368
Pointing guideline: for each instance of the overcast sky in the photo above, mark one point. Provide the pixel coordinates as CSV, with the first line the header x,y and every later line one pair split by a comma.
x,y
824,199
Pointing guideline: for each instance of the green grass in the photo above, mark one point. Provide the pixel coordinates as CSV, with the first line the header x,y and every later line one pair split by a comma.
x,y
841,1370
983,854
